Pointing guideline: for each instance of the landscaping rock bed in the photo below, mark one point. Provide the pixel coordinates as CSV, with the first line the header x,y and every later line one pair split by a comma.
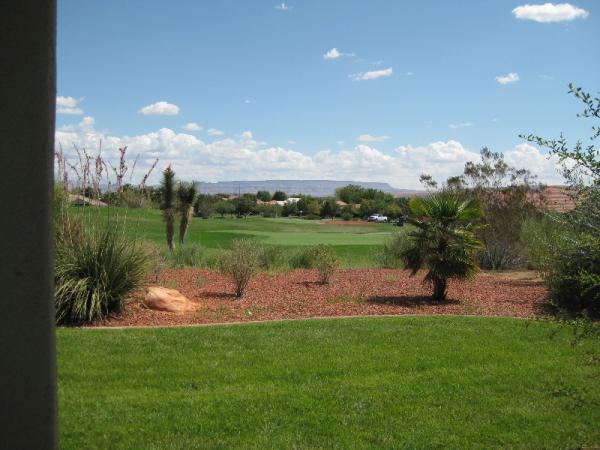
x,y
353,292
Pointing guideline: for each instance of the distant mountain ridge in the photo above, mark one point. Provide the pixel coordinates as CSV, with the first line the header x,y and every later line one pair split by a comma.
x,y
316,188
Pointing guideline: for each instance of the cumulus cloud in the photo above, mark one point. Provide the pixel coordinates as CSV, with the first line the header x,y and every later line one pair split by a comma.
x,y
159,109
508,78
68,105
282,7
550,12
334,53
192,126
372,74
454,126
214,132
246,158
370,138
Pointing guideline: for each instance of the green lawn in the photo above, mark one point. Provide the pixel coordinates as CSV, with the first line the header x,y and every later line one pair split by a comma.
x,y
357,245
412,382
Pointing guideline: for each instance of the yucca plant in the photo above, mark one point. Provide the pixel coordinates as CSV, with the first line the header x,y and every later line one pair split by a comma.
x,y
186,194
167,205
95,273
444,242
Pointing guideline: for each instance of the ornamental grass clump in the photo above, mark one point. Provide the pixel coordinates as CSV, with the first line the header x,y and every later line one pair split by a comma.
x,y
95,273
241,262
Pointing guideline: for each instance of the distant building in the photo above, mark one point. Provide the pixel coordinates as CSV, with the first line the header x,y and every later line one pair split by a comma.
x,y
81,200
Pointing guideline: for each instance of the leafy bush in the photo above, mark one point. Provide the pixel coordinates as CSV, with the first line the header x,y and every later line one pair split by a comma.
x,y
393,249
304,258
241,263
95,273
574,279
271,257
326,261
190,255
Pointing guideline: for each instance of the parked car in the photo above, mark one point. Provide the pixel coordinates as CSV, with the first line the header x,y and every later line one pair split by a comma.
x,y
380,218
401,221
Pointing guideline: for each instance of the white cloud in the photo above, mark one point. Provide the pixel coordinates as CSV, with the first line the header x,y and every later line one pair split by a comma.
x,y
291,141
370,138
282,7
372,74
550,12
214,132
160,109
544,76
508,78
192,126
454,126
340,142
246,158
247,102
68,105
334,53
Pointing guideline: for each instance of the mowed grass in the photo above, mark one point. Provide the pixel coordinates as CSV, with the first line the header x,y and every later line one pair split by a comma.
x,y
412,382
357,245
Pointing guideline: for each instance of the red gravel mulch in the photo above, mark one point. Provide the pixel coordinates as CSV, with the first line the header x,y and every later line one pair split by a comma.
x,y
352,292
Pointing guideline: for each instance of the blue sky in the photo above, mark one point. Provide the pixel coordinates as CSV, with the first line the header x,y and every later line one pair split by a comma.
x,y
411,86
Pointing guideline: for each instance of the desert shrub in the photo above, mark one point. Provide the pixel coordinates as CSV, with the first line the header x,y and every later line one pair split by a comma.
x,y
303,258
542,238
326,262
346,216
574,278
241,262
95,273
190,255
394,247
156,260
271,257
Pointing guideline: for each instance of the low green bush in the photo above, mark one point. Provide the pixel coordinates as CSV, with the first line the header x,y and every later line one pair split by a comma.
x,y
574,277
390,256
188,255
303,258
272,257
241,262
326,262
95,273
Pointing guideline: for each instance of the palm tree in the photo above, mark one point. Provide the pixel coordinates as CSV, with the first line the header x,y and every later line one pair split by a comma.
x,y
187,195
444,241
168,203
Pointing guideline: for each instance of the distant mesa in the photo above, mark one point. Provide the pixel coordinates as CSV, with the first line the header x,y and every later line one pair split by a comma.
x,y
316,188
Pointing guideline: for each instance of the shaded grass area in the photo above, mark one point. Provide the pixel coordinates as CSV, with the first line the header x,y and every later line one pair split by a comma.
x,y
412,382
356,245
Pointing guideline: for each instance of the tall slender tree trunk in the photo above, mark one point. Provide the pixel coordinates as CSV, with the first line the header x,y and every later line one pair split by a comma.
x,y
170,221
439,289
183,225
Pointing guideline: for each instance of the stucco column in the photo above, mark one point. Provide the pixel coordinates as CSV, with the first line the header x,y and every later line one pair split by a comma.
x,y
27,344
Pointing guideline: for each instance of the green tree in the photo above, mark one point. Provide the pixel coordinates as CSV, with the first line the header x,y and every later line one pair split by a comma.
x,y
245,205
280,196
263,196
444,242
573,273
329,208
351,193
167,205
224,207
186,194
